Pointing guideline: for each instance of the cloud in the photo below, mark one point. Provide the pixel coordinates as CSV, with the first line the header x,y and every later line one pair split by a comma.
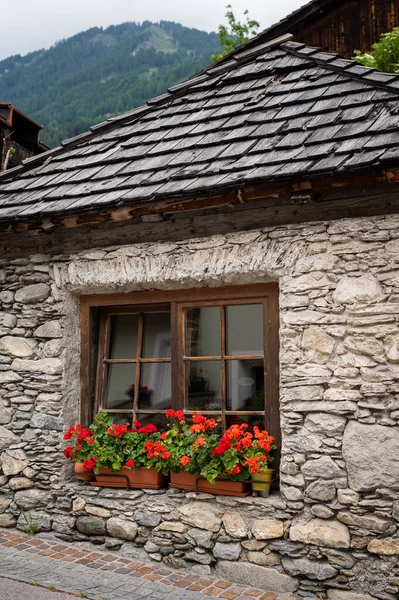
x,y
29,25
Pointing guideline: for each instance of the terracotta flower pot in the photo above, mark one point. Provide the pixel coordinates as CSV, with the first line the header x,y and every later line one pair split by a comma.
x,y
221,487
126,478
261,482
81,474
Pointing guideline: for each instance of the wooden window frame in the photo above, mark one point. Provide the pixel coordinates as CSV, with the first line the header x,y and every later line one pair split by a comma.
x,y
91,366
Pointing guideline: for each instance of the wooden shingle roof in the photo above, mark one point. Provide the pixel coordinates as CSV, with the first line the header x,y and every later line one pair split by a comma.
x,y
274,112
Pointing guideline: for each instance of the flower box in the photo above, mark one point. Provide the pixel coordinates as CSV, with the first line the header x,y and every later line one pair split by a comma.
x,y
81,474
221,487
262,481
126,478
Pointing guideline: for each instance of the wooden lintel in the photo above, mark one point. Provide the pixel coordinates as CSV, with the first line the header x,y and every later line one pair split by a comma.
x,y
324,185
367,201
275,192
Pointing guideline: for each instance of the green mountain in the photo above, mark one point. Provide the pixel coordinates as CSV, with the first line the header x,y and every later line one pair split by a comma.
x,y
102,72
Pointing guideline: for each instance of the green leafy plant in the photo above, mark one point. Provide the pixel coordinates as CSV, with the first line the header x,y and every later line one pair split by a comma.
x,y
30,525
200,449
239,454
108,445
189,445
235,33
197,447
384,55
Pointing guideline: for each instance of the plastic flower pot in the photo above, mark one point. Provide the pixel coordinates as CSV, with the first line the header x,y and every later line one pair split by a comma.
x,y
81,474
222,487
261,482
126,478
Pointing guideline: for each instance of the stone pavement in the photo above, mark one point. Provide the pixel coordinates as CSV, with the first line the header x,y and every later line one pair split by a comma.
x,y
15,590
106,576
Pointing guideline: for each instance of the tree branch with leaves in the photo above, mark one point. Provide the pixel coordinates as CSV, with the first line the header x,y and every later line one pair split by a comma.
x,y
384,55
235,33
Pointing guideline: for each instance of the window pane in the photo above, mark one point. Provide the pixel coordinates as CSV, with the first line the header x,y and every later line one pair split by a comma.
x,y
203,385
245,385
257,420
156,386
119,389
157,419
244,330
122,418
123,336
156,343
202,328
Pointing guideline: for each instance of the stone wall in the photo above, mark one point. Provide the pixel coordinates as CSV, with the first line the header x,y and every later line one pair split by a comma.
x,y
334,524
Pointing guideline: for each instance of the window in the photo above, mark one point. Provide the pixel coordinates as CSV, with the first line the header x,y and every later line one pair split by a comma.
x,y
213,351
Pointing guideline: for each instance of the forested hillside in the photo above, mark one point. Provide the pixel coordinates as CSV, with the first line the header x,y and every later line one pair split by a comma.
x,y
102,72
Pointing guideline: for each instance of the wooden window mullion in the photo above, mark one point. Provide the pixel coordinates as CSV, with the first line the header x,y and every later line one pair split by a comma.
x,y
182,366
175,352
103,344
138,365
223,363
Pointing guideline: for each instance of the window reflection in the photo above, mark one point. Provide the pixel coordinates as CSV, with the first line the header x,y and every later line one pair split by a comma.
x,y
203,383
257,420
244,330
123,336
156,386
245,385
122,418
202,326
119,391
156,341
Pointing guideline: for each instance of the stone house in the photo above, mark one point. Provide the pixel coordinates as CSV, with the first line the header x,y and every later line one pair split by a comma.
x,y
262,193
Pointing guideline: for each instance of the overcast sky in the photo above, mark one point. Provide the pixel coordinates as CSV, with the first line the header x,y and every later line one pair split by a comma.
x,y
27,25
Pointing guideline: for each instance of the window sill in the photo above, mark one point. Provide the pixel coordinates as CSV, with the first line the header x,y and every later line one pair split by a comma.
x,y
88,492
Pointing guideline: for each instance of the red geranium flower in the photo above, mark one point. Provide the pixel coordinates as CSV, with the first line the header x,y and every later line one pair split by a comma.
x,y
222,447
148,429
69,453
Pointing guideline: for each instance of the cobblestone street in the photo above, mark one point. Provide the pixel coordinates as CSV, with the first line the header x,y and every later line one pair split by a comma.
x,y
105,576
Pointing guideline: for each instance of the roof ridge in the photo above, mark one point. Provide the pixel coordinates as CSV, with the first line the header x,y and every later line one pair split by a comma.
x,y
335,62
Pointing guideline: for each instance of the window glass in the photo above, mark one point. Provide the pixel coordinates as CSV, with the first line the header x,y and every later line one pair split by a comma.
x,y
203,385
202,328
156,338
244,330
156,387
251,421
245,385
119,390
123,336
122,418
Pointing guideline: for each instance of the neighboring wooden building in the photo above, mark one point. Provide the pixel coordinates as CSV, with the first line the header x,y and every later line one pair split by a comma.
x,y
19,137
244,225
341,26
